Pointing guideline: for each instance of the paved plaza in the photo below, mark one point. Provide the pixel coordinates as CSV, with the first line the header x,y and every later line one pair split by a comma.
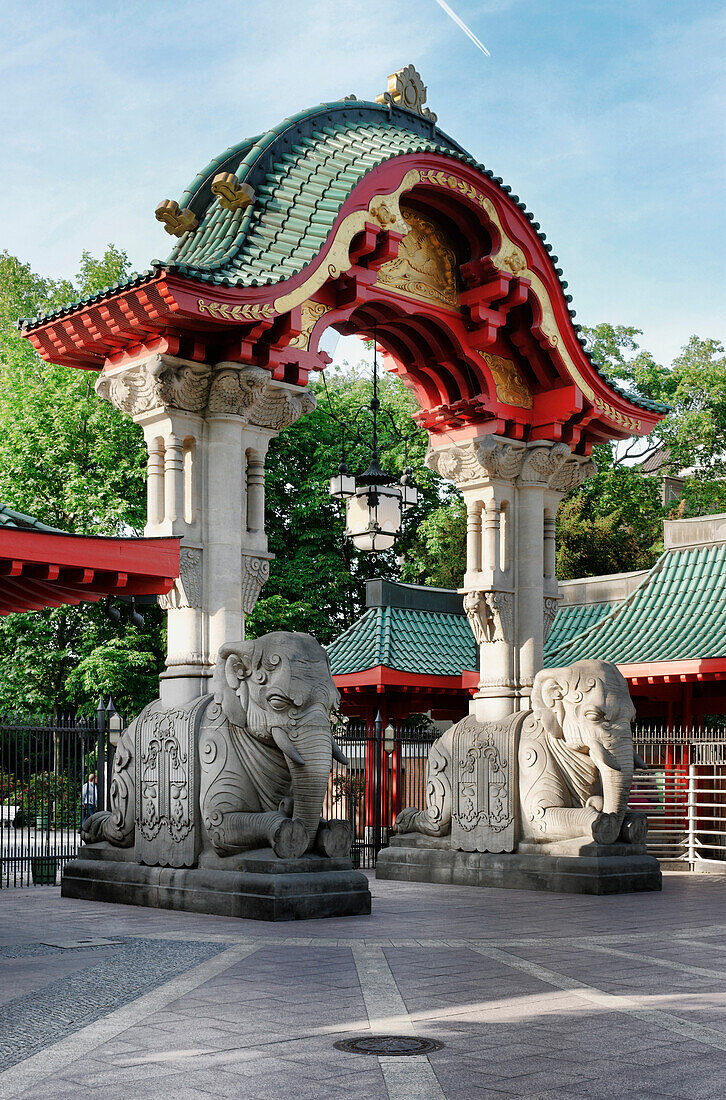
x,y
530,995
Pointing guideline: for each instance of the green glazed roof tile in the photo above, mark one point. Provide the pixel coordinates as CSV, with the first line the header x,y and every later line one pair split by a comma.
x,y
308,162
423,642
19,521
677,613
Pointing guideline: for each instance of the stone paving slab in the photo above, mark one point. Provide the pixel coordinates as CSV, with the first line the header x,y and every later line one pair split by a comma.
x,y
532,995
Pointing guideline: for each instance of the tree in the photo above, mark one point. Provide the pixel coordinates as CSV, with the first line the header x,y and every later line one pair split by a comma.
x,y
612,524
694,387
437,552
77,464
317,581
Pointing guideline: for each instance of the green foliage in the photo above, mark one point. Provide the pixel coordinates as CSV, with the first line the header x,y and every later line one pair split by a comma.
x,y
317,582
612,524
437,552
55,799
75,463
694,387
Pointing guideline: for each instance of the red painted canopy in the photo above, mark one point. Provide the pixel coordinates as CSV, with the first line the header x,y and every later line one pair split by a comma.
x,y
344,216
42,567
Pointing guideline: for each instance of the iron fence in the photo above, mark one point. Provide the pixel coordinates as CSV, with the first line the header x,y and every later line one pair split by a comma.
x,y
44,764
684,795
386,772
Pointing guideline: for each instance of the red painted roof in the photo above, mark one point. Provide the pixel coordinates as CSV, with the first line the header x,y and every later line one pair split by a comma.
x,y
43,569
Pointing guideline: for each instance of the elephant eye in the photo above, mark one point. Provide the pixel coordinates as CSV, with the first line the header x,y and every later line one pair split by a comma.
x,y
278,702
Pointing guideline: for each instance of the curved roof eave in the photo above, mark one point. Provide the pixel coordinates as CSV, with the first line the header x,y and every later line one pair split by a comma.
x,y
212,252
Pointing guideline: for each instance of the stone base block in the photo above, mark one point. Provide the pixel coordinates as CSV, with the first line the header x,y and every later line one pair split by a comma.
x,y
261,887
610,869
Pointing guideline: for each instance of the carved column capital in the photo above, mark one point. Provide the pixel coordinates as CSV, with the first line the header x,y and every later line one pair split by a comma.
x,y
477,460
244,390
554,466
160,382
490,615
187,590
248,391
255,572
549,613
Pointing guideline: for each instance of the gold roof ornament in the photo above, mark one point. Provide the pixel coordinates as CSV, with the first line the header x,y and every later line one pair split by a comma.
x,y
407,89
232,194
176,221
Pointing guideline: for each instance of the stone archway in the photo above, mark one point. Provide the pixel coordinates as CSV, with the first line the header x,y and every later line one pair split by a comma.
x,y
345,214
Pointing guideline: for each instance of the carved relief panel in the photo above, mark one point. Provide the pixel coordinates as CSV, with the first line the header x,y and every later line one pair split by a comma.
x,y
166,785
484,793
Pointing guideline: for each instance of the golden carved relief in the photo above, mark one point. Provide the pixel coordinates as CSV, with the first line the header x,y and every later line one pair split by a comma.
x,y
224,312
512,258
425,267
511,386
311,314
176,221
231,194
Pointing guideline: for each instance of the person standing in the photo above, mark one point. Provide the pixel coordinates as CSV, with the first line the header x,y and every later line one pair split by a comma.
x,y
89,798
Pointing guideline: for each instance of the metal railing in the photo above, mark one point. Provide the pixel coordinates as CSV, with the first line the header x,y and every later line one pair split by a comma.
x,y
386,772
44,764
684,795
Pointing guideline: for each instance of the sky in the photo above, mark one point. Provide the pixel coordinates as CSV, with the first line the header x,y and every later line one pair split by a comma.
x,y
605,116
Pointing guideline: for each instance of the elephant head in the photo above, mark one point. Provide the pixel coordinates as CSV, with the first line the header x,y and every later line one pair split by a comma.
x,y
588,705
279,690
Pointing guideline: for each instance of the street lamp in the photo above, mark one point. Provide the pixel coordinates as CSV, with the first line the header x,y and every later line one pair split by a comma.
x,y
374,500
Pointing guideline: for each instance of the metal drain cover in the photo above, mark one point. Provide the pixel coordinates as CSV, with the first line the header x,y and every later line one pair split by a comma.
x,y
389,1045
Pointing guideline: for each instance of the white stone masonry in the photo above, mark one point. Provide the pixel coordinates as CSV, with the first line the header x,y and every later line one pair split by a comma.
x,y
207,430
512,491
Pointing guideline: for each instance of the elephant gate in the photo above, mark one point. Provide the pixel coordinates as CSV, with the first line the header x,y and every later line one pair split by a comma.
x,y
348,216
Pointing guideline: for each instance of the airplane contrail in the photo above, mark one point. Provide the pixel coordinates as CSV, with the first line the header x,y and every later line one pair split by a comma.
x,y
460,23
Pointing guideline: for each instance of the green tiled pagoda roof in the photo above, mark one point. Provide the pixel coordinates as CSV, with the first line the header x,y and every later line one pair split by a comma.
x,y
677,613
301,172
422,642
572,620
21,522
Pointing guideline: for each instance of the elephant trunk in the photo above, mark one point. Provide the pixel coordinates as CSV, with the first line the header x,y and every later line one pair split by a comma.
x,y
616,773
310,770
310,785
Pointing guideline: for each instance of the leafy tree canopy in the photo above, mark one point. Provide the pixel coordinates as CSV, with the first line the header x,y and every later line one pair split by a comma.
x,y
75,463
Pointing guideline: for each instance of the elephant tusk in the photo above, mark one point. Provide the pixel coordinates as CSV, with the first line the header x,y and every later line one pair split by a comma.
x,y
285,745
339,755
640,763
603,756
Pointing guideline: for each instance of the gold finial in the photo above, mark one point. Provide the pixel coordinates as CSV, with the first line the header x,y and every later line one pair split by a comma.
x,y
406,89
176,221
232,194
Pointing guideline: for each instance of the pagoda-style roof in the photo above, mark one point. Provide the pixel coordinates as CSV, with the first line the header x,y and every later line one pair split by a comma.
x,y
41,566
673,622
412,641
660,625
289,231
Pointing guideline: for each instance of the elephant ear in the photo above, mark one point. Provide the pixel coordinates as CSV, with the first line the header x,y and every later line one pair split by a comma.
x,y
549,690
233,668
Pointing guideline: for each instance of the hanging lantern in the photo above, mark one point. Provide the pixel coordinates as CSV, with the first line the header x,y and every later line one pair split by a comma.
x,y
374,500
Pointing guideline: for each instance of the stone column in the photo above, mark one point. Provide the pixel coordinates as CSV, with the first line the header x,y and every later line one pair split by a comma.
x,y
207,429
510,588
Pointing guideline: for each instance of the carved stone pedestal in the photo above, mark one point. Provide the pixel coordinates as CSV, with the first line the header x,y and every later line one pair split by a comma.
x,y
567,868
260,886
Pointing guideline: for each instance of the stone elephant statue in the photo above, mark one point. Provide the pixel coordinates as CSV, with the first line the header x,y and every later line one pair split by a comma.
x,y
258,764
574,760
